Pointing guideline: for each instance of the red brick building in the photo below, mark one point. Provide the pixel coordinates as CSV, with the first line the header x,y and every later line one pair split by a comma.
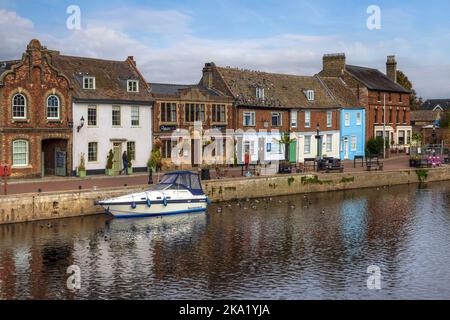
x,y
35,115
376,92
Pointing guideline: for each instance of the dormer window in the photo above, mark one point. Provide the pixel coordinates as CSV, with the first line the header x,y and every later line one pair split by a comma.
x,y
260,93
133,86
309,95
89,83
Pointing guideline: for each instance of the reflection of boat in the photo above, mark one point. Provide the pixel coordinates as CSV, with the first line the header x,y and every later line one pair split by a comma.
x,y
177,192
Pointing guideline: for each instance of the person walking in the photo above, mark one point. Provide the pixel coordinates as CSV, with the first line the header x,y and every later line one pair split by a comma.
x,y
125,163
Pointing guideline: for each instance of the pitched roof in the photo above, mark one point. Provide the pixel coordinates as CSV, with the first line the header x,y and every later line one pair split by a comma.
x,y
374,79
424,115
341,92
175,90
433,103
280,90
110,79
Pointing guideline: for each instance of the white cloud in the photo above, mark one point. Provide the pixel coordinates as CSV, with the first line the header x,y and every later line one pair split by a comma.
x,y
181,61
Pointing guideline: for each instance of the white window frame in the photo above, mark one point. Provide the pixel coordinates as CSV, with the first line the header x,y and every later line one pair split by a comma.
x,y
96,151
130,82
25,106
92,107
134,151
347,119
329,119
27,155
358,118
134,108
280,117
59,107
89,87
252,118
307,119
353,143
260,94
307,150
329,143
294,119
115,108
310,95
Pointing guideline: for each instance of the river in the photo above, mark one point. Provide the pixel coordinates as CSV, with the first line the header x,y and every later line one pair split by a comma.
x,y
317,246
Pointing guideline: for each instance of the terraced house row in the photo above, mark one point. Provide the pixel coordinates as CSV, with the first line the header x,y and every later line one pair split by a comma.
x,y
57,110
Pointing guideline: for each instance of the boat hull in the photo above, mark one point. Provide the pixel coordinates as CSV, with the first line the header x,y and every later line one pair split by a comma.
x,y
143,210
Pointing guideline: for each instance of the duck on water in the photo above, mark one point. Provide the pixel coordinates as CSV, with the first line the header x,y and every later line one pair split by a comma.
x,y
178,192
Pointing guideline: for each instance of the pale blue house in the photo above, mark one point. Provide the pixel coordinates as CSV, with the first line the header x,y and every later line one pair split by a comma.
x,y
352,133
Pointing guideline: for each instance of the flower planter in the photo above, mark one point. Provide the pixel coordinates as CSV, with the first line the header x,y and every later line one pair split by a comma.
x,y
82,174
130,170
109,172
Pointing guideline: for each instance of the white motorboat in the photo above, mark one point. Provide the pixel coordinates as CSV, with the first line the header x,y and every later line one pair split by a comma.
x,y
177,192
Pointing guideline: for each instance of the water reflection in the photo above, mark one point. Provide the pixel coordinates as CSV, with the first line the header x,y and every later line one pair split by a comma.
x,y
315,246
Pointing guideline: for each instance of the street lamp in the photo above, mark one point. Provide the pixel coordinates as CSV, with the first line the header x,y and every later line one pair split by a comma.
x,y
81,124
319,149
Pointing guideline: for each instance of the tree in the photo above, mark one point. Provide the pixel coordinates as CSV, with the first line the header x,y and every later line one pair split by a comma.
x,y
374,146
286,141
414,101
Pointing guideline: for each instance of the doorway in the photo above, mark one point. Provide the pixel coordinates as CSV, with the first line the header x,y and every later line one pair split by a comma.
x,y
54,157
345,148
117,163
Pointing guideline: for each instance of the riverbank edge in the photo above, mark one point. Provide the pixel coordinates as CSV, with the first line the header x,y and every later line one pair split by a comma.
x,y
56,205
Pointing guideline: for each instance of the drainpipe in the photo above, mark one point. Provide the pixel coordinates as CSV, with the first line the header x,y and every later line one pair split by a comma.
x,y
384,126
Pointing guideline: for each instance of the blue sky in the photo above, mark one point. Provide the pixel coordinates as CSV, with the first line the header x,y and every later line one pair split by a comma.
x,y
171,40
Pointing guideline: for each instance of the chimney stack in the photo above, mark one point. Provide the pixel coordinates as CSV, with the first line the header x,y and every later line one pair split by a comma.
x,y
333,64
207,79
131,59
391,68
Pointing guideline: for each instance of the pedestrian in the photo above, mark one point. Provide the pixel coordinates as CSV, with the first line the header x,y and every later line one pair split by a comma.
x,y
125,163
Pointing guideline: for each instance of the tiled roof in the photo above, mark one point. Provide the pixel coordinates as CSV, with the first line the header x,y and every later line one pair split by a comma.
x,y
280,90
341,92
433,103
168,89
110,79
374,79
424,115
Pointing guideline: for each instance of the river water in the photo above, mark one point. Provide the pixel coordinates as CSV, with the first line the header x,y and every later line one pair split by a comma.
x,y
298,247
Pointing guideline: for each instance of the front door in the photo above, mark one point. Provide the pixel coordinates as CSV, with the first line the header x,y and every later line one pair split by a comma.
x,y
60,163
346,148
293,152
117,163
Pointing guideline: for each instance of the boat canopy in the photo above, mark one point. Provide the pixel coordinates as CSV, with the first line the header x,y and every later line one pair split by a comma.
x,y
183,179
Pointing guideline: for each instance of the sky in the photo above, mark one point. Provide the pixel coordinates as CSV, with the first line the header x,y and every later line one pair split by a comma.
x,y
171,40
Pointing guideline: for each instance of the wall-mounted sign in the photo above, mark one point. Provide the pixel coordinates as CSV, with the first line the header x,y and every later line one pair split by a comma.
x,y
167,128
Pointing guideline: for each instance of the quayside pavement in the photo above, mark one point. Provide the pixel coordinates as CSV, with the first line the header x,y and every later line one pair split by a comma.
x,y
50,184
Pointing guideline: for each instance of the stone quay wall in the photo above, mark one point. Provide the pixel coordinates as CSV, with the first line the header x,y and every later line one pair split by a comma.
x,y
46,206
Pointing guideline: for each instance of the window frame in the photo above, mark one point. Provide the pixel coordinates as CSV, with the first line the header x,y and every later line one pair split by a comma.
x,y
131,152
355,140
58,107
252,117
329,119
218,110
346,119
294,119
25,106
93,83
27,153
260,93
305,150
310,95
92,107
134,108
96,151
131,82
329,143
280,119
358,118
308,124
116,108
194,112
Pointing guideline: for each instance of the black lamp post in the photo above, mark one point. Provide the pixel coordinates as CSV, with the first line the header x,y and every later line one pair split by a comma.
x,y
319,149
433,134
81,124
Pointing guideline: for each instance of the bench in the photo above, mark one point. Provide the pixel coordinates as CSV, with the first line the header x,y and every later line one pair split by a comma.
x,y
358,158
374,165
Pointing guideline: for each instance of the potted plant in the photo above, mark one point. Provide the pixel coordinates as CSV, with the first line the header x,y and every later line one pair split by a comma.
x,y
153,163
82,167
109,163
130,164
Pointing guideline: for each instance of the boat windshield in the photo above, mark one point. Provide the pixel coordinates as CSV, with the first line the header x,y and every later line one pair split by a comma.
x,y
179,180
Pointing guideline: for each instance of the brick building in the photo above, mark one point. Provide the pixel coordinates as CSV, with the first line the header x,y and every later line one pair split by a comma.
x,y
266,105
181,106
374,90
35,115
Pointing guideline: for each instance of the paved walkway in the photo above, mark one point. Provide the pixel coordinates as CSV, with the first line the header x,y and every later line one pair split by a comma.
x,y
49,184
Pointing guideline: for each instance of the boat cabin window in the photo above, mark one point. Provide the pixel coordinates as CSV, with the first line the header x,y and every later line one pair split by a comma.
x,y
195,182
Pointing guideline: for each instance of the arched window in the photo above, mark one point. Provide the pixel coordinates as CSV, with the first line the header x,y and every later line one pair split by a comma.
x,y
19,107
53,107
20,153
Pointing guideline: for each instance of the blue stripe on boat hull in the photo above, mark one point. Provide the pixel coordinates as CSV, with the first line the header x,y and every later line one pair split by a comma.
x,y
133,215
